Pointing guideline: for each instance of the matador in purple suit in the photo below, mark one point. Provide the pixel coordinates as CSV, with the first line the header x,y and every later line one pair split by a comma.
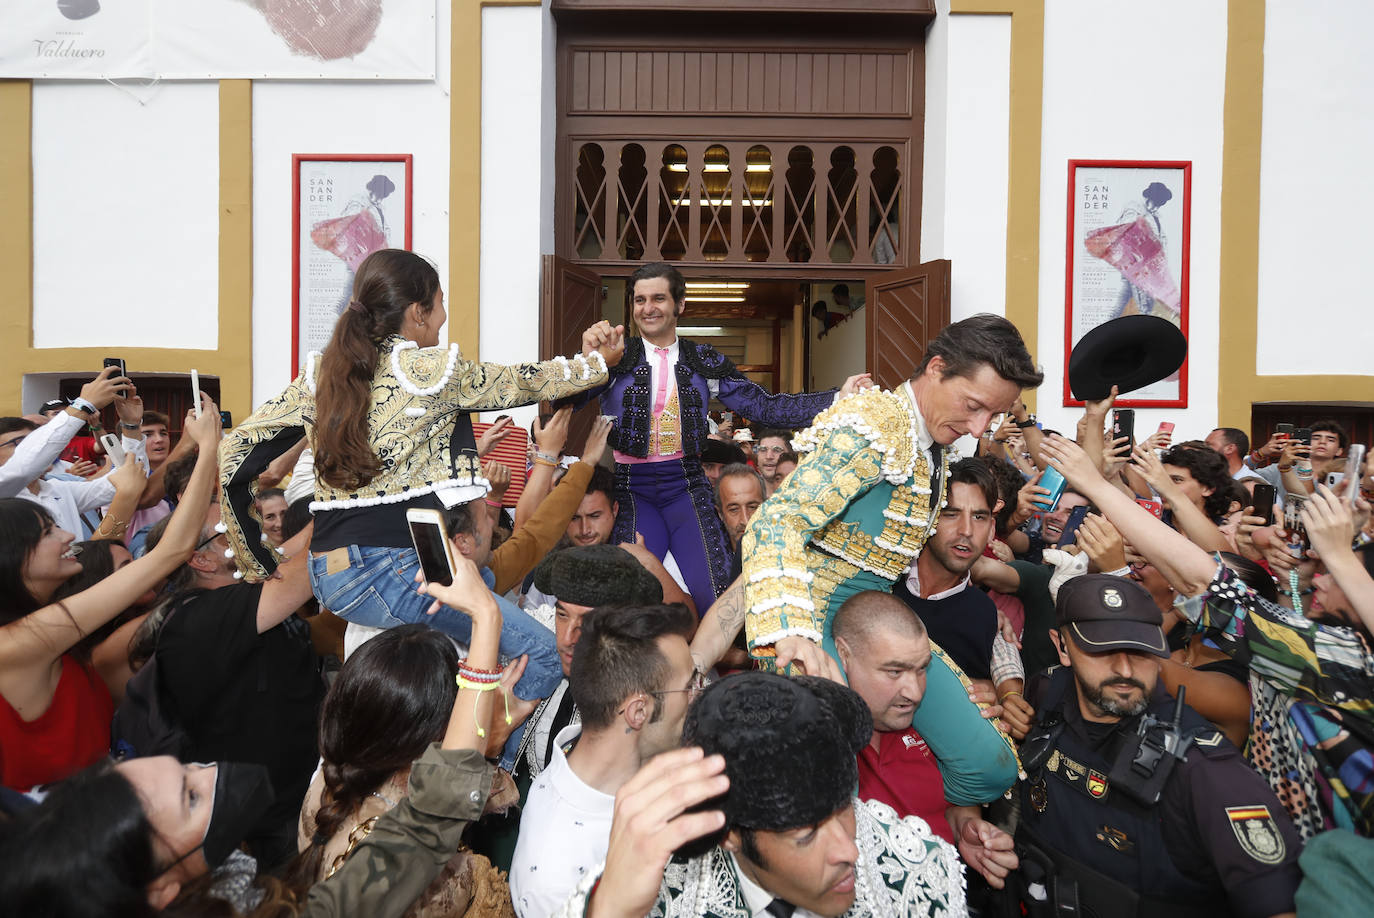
x,y
658,394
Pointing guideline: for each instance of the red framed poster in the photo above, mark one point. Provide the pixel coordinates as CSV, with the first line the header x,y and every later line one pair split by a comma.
x,y
344,207
1127,254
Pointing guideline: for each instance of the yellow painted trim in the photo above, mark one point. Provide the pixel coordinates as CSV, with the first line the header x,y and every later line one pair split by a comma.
x,y
1241,384
231,360
1025,99
465,172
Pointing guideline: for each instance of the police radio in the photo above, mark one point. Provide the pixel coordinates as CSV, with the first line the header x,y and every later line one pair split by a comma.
x,y
1144,761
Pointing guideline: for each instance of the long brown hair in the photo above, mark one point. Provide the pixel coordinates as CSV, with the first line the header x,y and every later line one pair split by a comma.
x,y
388,281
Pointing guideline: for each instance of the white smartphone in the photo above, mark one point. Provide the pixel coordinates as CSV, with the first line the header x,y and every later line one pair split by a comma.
x,y
113,448
1354,473
430,537
195,391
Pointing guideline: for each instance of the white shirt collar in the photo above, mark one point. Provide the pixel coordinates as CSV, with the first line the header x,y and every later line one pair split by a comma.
x,y
569,786
924,439
756,898
650,349
913,583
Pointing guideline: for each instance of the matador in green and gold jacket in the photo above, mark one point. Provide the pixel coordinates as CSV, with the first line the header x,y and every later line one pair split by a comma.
x,y
853,516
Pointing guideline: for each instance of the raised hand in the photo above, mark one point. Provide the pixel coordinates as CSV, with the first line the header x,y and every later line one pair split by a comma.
x,y
494,434
856,383
205,431
595,447
550,438
101,390
1102,542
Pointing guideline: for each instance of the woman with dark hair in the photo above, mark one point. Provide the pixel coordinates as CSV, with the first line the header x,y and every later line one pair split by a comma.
x,y
140,838
386,410
54,710
386,706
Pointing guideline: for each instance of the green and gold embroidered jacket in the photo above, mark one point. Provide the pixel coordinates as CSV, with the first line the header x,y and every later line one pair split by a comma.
x,y
861,494
419,428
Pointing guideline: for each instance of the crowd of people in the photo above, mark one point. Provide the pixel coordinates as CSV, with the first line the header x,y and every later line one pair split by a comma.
x,y
799,657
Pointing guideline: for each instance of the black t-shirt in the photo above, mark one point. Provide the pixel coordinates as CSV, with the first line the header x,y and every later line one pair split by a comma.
x,y
244,696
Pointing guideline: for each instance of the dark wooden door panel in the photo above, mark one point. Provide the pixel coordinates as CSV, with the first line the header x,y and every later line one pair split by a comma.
x,y
906,308
571,303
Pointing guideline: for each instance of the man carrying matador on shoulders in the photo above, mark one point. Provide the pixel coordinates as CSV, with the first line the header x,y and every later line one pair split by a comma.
x,y
856,512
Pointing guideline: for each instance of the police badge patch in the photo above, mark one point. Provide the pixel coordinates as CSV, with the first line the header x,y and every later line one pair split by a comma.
x,y
1257,834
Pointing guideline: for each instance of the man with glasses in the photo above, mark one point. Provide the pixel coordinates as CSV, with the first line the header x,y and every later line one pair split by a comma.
x,y
632,679
770,448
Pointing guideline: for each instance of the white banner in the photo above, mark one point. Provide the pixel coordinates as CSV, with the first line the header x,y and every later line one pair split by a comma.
x,y
218,39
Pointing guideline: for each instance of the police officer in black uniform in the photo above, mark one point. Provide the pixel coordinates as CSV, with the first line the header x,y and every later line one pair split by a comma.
x,y
1134,805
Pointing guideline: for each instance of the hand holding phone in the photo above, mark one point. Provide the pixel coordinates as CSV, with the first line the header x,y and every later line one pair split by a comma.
x,y
1123,423
113,448
430,537
1052,481
117,362
1354,472
1262,503
195,391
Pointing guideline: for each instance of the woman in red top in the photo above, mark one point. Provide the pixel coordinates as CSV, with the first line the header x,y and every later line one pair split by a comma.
x,y
54,710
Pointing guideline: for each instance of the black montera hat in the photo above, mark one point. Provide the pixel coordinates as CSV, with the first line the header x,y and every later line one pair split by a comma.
x,y
597,575
1130,353
789,746
1107,613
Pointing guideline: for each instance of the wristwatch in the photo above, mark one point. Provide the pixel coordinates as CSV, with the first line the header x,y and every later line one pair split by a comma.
x,y
80,404
128,426
1028,422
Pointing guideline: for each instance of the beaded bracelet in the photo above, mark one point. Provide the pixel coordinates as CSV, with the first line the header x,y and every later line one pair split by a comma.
x,y
480,687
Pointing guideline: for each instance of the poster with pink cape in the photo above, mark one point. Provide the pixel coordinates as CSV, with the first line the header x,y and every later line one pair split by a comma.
x,y
1127,254
345,207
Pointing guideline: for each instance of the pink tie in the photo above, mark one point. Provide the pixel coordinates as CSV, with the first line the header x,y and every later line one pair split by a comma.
x,y
661,396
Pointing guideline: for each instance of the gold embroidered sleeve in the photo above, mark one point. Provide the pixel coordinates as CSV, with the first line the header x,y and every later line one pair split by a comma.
x,y
489,386
777,582
247,450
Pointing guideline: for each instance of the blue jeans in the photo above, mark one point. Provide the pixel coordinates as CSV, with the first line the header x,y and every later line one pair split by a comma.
x,y
378,590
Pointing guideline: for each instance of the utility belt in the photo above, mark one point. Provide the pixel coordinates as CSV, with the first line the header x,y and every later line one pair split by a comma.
x,y
1049,885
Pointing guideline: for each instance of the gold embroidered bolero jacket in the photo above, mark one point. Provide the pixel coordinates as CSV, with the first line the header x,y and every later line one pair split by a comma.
x,y
419,427
859,500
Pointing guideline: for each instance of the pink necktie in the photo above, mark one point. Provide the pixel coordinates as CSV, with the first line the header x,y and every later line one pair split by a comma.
x,y
661,396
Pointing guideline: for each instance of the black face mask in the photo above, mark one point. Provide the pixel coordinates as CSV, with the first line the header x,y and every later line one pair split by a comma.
x,y
243,792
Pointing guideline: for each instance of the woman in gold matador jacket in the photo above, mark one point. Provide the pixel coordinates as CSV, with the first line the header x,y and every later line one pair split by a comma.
x,y
386,411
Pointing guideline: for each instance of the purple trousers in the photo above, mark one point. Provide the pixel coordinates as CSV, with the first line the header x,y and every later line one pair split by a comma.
x,y
671,505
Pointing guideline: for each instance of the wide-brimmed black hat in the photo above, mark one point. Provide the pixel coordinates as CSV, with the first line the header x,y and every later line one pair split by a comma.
x,y
1130,353
597,575
1107,613
789,746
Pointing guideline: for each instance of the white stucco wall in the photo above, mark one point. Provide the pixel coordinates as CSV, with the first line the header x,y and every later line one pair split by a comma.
x,y
320,117
1316,192
1134,82
125,226
513,86
975,186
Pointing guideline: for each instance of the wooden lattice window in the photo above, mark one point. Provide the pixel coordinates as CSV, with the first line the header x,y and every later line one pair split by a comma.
x,y
707,202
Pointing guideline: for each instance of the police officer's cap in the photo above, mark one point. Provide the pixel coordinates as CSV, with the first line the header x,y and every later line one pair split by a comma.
x,y
1106,614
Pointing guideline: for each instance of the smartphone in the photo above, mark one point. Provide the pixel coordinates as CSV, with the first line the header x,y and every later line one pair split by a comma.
x,y
195,392
1292,521
1304,435
1076,517
1167,427
1123,423
226,419
1283,430
113,448
1354,471
117,362
1054,482
1154,506
1262,502
430,537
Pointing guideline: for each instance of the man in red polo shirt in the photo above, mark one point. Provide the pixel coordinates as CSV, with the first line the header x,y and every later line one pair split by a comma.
x,y
885,653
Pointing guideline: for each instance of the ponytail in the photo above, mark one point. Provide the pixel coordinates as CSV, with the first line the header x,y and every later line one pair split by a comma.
x,y
387,283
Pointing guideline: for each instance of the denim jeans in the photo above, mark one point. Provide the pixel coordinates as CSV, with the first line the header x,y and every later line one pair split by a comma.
x,y
378,589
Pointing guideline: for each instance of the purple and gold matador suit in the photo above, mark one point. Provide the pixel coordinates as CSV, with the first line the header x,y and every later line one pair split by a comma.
x,y
662,491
